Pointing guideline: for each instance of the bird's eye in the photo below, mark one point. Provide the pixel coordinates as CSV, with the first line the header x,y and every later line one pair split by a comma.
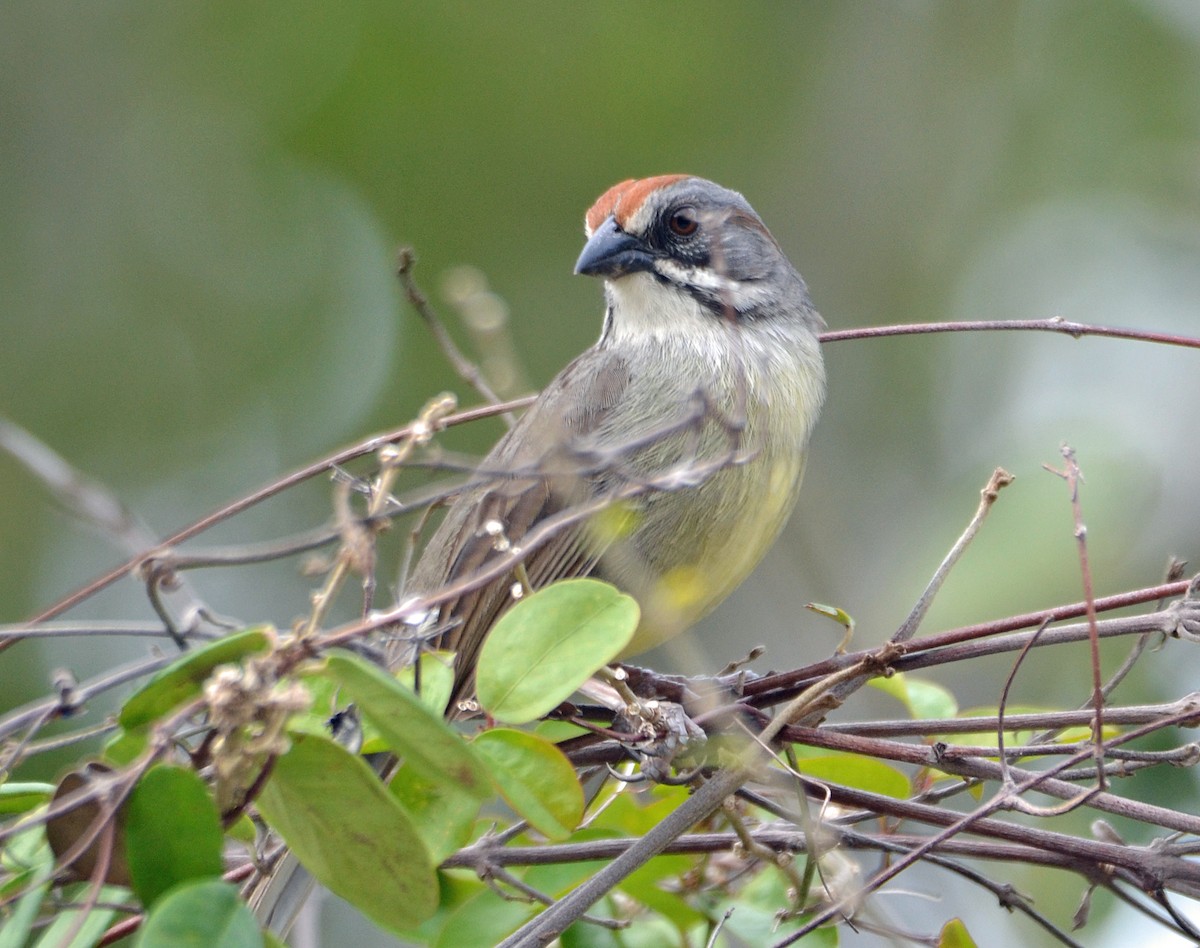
x,y
683,222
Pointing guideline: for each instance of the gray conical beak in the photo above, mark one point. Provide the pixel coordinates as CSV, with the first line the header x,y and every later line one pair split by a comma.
x,y
610,252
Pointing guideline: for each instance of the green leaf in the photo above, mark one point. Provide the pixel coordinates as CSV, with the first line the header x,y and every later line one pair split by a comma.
x,y
183,679
207,914
93,926
535,778
923,699
437,679
549,644
587,935
853,770
756,907
645,885
29,864
124,747
954,934
21,797
243,830
172,832
410,729
349,832
557,879
636,812
482,921
440,811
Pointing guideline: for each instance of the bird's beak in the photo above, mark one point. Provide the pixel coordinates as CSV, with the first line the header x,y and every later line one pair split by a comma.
x,y
611,252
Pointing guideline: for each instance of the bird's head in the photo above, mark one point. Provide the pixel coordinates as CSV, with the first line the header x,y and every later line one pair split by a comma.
x,y
677,243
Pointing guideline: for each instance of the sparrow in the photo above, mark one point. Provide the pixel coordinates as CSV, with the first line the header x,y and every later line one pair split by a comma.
x,y
682,433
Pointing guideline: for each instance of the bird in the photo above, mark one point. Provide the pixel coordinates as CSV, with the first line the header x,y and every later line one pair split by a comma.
x,y
689,419
682,434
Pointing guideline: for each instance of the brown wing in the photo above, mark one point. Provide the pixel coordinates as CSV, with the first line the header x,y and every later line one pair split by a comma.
x,y
532,473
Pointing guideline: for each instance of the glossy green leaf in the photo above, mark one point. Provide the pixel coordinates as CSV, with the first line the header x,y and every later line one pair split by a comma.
x,y
172,832
349,832
204,914
439,809
21,797
549,644
408,727
182,680
853,770
535,778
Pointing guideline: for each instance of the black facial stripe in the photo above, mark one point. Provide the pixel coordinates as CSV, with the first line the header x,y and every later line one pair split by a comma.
x,y
715,301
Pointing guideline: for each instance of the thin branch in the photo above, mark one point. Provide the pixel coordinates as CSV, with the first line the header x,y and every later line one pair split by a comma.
x,y
998,481
467,370
277,486
1074,477
1054,324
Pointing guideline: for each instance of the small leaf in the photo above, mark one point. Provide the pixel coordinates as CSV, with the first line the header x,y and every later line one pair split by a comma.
x,y
927,699
954,934
124,746
853,770
172,832
535,778
21,797
923,699
549,644
756,918
243,830
349,832
207,914
183,679
437,679
408,727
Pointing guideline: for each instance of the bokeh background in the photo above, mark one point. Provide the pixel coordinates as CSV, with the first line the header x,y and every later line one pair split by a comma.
x,y
200,206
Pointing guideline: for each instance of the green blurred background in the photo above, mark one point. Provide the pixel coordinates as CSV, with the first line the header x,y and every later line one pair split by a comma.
x,y
200,206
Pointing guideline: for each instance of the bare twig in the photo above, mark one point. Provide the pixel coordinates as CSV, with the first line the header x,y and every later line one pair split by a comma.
x,y
1073,476
1054,324
998,481
467,370
367,446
